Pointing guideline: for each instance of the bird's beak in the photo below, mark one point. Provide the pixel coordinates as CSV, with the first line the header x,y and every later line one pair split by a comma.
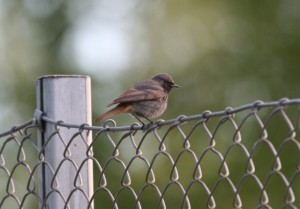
x,y
175,85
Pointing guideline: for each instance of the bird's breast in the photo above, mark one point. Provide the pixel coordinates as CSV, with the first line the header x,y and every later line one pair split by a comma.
x,y
151,108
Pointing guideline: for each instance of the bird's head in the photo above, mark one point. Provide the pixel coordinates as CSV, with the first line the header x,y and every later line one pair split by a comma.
x,y
166,81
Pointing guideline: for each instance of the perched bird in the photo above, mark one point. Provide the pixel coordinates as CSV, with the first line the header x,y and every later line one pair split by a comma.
x,y
146,99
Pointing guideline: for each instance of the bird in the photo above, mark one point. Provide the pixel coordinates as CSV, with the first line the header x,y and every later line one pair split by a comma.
x,y
146,99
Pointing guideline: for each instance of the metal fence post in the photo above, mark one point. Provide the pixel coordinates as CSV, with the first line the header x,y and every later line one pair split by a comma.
x,y
66,98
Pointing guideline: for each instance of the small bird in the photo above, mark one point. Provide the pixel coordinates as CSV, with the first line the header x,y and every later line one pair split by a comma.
x,y
146,99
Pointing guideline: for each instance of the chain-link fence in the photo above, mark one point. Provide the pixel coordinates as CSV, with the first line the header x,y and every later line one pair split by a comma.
x,y
246,157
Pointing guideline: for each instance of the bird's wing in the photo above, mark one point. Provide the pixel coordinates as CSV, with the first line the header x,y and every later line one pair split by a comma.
x,y
134,95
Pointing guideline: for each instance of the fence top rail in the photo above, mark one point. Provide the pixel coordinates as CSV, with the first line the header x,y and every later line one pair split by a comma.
x,y
16,128
180,119
39,117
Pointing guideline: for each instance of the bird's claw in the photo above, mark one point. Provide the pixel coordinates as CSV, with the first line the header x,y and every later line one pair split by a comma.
x,y
146,126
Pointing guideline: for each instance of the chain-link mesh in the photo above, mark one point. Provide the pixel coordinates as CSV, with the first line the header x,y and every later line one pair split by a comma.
x,y
247,157
19,167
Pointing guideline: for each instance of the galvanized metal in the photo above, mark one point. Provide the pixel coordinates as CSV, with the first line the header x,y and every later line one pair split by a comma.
x,y
208,155
65,98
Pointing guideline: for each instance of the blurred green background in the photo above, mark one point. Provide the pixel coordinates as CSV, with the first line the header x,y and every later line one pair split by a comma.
x,y
221,53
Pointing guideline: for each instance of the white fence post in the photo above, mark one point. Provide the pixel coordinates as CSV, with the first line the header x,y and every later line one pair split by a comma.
x,y
68,99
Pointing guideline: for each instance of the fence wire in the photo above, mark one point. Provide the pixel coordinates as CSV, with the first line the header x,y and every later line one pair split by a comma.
x,y
245,157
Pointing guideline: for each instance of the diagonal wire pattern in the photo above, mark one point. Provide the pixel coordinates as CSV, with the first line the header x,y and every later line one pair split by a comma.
x,y
245,157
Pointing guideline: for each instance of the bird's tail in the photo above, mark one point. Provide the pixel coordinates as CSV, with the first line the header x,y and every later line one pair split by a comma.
x,y
117,110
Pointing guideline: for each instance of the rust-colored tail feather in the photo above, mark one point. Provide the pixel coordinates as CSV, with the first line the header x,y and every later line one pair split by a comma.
x,y
116,110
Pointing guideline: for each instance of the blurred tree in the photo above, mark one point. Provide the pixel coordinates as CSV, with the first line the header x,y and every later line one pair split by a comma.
x,y
32,32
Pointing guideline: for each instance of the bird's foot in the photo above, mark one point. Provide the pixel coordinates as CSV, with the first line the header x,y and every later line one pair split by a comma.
x,y
146,126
